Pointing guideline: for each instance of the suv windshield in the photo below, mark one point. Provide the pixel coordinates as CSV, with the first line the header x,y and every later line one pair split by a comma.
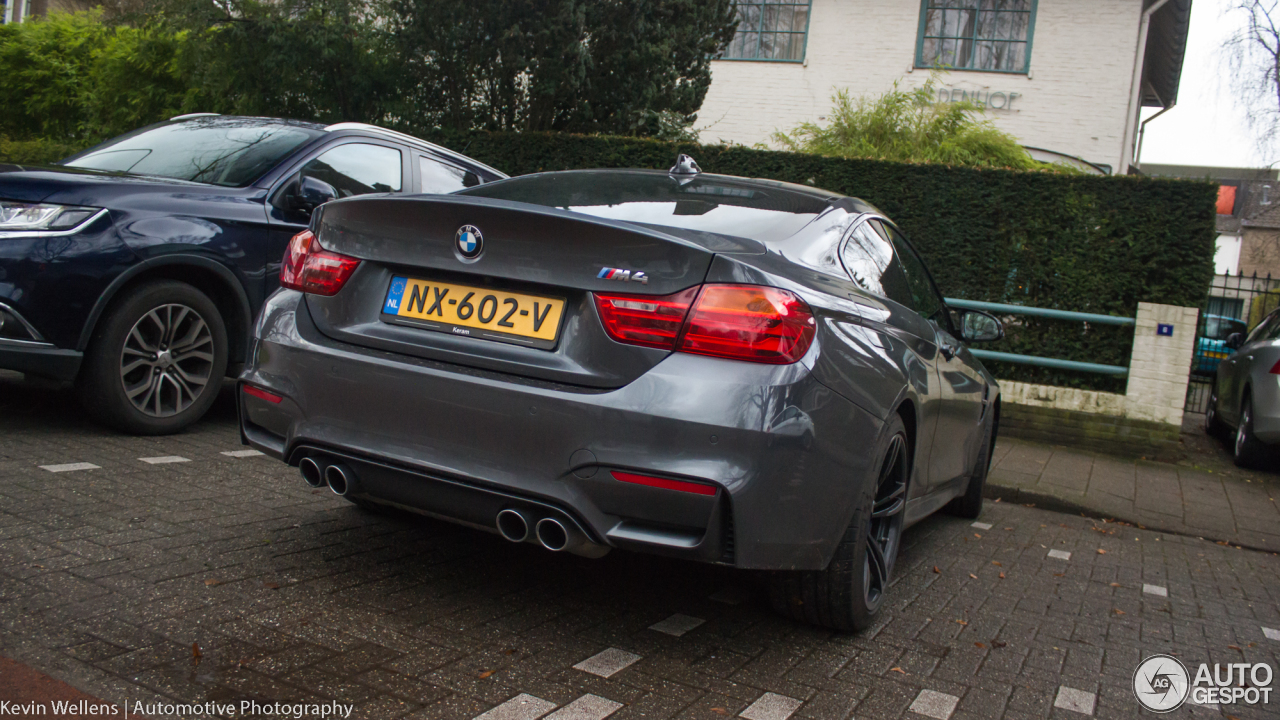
x,y
215,150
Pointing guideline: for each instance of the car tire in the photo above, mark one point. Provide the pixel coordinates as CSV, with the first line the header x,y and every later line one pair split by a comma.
x,y
849,593
1213,425
969,505
156,360
1249,452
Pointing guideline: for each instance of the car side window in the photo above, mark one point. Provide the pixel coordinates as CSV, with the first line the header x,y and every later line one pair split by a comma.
x,y
924,296
441,178
869,260
358,168
1264,329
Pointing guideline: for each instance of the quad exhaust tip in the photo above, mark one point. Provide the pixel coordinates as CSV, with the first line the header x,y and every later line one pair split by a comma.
x,y
339,480
553,535
513,525
312,474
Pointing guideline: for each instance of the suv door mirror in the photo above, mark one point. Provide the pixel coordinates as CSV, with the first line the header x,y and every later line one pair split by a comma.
x,y
1234,341
312,193
977,326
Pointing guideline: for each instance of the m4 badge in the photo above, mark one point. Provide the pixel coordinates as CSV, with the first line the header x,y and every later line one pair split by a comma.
x,y
624,275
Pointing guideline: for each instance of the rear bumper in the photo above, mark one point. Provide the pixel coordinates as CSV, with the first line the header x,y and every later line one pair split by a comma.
x,y
784,455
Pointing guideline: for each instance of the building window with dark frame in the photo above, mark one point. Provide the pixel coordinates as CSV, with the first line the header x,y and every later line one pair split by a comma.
x,y
985,35
770,30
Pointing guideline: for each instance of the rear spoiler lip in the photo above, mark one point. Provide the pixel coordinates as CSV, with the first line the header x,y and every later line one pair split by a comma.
x,y
746,246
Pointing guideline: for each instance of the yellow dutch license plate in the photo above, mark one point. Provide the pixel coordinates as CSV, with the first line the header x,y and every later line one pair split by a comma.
x,y
480,312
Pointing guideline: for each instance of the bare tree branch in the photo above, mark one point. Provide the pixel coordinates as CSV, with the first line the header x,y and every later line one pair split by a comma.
x,y
1253,55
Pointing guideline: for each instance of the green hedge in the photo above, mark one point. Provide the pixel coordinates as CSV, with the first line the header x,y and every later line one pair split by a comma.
x,y
1071,242
35,152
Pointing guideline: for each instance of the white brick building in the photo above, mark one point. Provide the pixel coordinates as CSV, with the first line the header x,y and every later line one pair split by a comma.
x,y
1063,75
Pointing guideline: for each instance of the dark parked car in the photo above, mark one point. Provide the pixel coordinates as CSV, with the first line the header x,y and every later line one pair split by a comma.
x,y
135,268
1246,394
726,370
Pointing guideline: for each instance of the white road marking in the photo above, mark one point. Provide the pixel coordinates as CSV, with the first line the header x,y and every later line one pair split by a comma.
x,y
587,707
70,467
242,453
677,624
1271,633
1155,590
982,525
934,704
1060,554
1075,700
771,706
521,707
607,663
164,460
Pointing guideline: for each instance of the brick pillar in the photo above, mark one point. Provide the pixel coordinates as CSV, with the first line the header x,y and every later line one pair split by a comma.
x,y
1161,364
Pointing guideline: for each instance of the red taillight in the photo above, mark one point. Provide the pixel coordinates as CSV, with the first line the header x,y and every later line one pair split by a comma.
x,y
749,322
741,322
312,269
653,321
262,394
664,483
1275,369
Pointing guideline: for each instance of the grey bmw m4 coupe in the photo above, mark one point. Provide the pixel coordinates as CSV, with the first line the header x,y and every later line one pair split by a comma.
x,y
727,370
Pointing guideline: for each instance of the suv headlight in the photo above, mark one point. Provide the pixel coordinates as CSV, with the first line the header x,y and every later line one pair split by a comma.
x,y
26,217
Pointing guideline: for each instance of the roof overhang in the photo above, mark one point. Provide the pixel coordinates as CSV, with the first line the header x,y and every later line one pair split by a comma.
x,y
1166,45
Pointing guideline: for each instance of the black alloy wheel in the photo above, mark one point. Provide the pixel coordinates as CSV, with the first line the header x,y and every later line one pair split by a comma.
x,y
1248,451
1213,426
849,593
156,360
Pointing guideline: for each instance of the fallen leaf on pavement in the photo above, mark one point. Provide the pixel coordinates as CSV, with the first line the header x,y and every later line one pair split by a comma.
x,y
977,536
271,585
935,569
996,563
1001,576
720,711
1101,551
486,674
1234,647
512,651
975,577
962,622
978,644
1116,585
998,643
1008,528
195,652
1117,611
898,670
212,581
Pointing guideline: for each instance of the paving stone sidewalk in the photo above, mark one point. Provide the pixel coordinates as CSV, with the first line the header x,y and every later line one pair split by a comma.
x,y
1202,495
218,576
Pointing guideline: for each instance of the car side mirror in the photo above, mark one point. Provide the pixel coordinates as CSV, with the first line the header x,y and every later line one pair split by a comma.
x,y
1235,340
312,193
977,326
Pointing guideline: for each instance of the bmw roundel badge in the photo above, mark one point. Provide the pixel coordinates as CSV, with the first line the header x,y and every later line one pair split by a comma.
x,y
469,242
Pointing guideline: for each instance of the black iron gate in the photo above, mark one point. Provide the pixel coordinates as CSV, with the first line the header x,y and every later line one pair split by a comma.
x,y
1236,303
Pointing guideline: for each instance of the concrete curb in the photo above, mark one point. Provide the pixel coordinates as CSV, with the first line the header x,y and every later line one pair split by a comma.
x,y
1046,501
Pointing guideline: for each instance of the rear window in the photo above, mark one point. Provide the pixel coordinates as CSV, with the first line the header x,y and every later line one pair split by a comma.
x,y
217,150
757,210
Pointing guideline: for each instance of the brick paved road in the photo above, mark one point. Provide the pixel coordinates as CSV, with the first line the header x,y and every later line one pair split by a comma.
x,y
109,575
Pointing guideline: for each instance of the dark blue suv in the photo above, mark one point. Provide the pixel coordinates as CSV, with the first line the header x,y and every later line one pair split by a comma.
x,y
134,269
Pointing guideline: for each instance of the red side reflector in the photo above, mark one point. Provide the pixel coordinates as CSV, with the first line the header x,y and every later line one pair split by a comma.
x,y
649,320
749,322
262,394
664,483
310,268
